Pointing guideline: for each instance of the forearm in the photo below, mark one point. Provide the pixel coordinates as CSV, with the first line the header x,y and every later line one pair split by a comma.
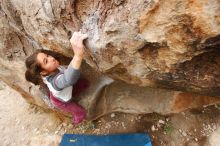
x,y
76,61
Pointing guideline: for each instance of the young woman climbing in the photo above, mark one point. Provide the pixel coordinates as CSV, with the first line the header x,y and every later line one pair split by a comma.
x,y
63,83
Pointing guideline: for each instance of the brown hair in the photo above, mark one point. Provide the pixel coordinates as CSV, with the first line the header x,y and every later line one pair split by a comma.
x,y
32,73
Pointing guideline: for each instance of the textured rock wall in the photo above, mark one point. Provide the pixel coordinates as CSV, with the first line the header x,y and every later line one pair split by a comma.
x,y
164,44
170,44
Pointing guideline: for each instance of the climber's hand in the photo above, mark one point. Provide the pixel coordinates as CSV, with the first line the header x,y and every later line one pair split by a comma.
x,y
77,43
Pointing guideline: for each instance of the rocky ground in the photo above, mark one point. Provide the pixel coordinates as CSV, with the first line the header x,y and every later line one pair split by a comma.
x,y
28,125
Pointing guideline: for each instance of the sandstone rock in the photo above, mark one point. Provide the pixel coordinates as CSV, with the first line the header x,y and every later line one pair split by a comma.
x,y
149,43
214,138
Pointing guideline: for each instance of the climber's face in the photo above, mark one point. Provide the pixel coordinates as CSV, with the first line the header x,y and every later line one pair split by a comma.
x,y
48,63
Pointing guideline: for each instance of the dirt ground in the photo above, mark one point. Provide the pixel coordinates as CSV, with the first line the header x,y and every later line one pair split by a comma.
x,y
22,124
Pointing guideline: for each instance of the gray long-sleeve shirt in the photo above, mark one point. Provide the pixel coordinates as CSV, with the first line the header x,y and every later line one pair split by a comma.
x,y
64,78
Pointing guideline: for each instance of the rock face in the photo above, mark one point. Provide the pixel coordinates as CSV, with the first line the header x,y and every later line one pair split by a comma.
x,y
150,43
169,44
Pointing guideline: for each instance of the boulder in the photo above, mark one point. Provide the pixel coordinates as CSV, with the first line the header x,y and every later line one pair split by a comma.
x,y
145,46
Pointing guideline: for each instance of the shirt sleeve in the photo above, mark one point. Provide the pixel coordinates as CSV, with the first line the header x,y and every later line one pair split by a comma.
x,y
65,79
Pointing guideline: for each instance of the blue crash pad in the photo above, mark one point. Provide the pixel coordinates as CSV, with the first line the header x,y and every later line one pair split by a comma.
x,y
134,139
